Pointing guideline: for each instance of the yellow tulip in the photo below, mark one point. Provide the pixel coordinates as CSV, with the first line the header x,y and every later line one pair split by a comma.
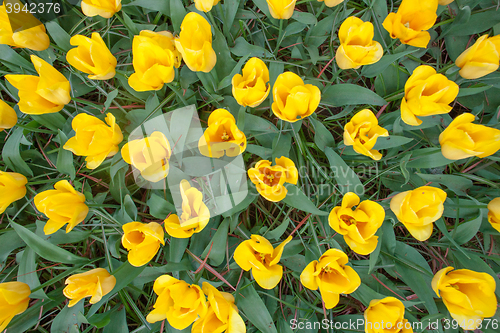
x,y
14,300
222,136
222,314
269,180
445,2
294,100
8,116
252,88
205,5
357,46
359,225
469,296
426,93
103,8
481,59
178,302
257,254
362,133
462,139
332,3
46,93
494,213
386,316
92,56
142,241
61,205
149,155
154,59
411,21
332,276
418,209
195,43
281,9
12,188
95,284
195,214
94,139
21,29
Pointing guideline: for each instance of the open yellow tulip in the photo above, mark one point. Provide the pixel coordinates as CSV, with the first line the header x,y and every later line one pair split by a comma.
x,y
95,284
426,93
252,88
8,116
481,59
178,302
257,254
103,8
195,214
359,225
469,296
142,241
386,316
269,180
281,9
332,276
494,213
12,188
362,133
418,209
14,300
462,139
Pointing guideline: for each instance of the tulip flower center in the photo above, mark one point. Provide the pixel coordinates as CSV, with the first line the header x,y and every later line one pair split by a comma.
x,y
407,24
454,286
271,178
349,220
225,137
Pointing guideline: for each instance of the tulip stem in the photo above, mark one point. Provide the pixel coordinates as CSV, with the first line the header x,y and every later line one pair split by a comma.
x,y
280,38
240,123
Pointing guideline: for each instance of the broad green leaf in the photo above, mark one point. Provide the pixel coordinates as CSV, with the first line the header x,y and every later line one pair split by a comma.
x,y
66,320
46,249
277,232
304,17
159,207
383,63
386,142
28,274
476,24
10,241
117,322
467,230
428,158
11,154
456,183
243,48
59,35
64,163
218,243
159,5
177,13
322,137
254,308
347,180
297,199
350,94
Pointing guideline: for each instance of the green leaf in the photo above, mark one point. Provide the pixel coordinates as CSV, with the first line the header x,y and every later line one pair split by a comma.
x,y
230,9
117,323
129,24
14,61
386,142
130,207
243,48
322,137
304,17
465,231
236,69
64,163
346,179
383,63
473,90
350,94
46,249
428,158
10,241
277,232
66,320
59,35
109,99
297,199
218,244
457,184
11,154
28,274
478,23
254,308
177,13
158,5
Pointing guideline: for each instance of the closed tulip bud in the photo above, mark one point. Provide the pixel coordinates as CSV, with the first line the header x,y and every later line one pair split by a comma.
x,y
257,254
481,59
222,315
386,316
357,46
252,88
411,21
149,155
61,205
426,93
195,43
154,59
178,302
494,213
12,188
8,116
94,139
362,133
462,139
222,136
332,276
195,214
294,100
92,56
332,3
205,5
469,296
14,300
21,29
269,180
418,209
281,9
359,225
95,284
142,241
103,8
46,93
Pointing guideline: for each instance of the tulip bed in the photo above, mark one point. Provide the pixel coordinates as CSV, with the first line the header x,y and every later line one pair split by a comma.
x,y
360,142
